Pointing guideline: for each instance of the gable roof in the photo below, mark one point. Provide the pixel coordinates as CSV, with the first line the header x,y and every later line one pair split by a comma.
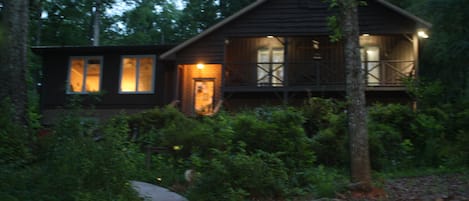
x,y
171,52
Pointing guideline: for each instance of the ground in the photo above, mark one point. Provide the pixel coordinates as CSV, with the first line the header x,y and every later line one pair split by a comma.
x,y
453,187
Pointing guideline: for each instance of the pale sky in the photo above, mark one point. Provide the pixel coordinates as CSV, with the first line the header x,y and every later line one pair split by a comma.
x,y
121,7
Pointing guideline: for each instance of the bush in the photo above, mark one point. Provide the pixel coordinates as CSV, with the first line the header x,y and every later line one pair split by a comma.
x,y
240,176
88,162
14,139
326,124
275,130
391,136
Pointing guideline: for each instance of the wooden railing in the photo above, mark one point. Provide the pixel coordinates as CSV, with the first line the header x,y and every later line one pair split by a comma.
x,y
318,73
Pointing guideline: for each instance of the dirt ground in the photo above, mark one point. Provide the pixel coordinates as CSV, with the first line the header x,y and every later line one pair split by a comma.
x,y
427,188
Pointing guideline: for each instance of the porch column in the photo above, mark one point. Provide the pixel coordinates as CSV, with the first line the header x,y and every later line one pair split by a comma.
x,y
416,53
285,72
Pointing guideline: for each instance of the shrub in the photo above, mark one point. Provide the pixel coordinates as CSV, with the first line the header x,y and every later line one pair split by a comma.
x,y
326,124
391,137
86,161
240,176
14,139
275,130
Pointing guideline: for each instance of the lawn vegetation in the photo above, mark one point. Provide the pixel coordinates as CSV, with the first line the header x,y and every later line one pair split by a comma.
x,y
266,153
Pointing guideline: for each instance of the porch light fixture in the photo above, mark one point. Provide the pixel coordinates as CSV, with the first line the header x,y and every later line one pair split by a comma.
x,y
422,34
270,36
200,66
365,34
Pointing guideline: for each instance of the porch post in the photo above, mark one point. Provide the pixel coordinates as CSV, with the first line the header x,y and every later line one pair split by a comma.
x,y
416,53
285,72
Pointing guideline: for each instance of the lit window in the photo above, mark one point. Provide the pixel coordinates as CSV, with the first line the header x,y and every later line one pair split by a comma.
x,y
270,64
371,64
137,74
84,74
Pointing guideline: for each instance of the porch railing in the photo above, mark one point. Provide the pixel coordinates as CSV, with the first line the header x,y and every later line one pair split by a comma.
x,y
315,74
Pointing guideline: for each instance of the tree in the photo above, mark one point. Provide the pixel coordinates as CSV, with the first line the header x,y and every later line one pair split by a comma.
x,y
355,90
69,22
96,22
228,7
445,52
13,56
198,15
151,22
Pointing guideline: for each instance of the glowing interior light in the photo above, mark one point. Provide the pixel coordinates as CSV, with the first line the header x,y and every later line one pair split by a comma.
x,y
365,34
270,36
422,34
200,66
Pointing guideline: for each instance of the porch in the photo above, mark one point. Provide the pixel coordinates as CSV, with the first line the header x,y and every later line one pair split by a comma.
x,y
316,75
314,63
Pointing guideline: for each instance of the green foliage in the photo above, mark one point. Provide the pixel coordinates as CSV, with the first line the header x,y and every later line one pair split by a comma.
x,y
326,124
14,139
444,56
325,182
259,154
238,176
276,130
391,136
87,161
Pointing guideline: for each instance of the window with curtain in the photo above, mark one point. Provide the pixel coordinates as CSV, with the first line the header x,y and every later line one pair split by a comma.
x,y
137,74
270,64
84,74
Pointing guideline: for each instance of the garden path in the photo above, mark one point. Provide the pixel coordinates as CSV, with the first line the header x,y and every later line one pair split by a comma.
x,y
152,192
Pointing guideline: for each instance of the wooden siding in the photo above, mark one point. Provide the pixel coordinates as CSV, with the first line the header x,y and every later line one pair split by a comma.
x,y
55,74
291,18
315,61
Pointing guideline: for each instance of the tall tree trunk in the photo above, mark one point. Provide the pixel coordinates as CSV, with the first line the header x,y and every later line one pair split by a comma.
x,y
13,56
355,89
96,22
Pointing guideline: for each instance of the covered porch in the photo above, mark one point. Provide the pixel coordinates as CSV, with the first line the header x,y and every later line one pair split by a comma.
x,y
273,63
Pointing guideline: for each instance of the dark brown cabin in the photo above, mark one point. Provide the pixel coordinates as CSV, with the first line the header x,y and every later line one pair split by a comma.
x,y
271,52
279,52
109,79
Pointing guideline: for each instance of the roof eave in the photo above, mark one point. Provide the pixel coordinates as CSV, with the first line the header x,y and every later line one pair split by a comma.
x,y
168,54
420,21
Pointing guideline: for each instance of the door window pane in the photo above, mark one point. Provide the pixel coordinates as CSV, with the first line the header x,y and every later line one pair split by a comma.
x,y
204,91
263,59
371,64
277,69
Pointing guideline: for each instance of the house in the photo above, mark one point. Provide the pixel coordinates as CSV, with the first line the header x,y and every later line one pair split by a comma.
x,y
270,52
110,79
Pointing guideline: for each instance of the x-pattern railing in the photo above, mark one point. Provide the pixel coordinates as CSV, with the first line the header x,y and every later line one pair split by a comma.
x,y
317,73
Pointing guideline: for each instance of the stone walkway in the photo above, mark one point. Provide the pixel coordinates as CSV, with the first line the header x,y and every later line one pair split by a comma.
x,y
152,192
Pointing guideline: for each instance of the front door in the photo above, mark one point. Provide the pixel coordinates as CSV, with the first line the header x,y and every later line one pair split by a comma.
x,y
203,96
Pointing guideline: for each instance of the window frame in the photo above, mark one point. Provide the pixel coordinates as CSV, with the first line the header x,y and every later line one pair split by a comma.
x,y
137,69
85,67
272,68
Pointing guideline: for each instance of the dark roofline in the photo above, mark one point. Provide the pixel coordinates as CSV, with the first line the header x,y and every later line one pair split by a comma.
x,y
40,50
211,29
170,54
405,13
